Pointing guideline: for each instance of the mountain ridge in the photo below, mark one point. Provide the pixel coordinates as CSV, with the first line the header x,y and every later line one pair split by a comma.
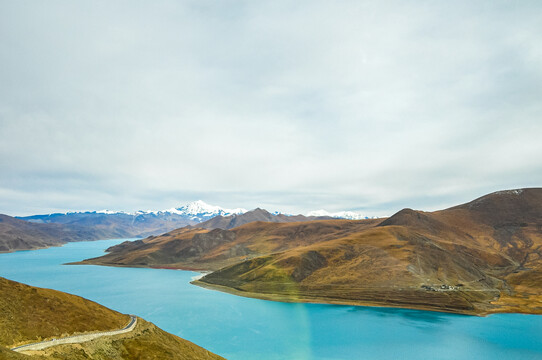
x,y
198,211
235,220
194,212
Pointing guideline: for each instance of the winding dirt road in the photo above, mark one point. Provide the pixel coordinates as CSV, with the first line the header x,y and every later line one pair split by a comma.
x,y
74,339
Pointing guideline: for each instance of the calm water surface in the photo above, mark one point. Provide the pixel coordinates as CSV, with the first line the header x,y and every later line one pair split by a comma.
x,y
242,328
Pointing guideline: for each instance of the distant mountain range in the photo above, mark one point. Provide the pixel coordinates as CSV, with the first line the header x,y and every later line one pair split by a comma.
x,y
17,234
349,215
39,231
196,212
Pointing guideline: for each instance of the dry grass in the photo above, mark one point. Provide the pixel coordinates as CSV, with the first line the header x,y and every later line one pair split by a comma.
x,y
146,342
29,314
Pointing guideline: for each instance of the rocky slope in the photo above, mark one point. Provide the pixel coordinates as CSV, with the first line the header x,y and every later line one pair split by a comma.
x,y
481,257
30,314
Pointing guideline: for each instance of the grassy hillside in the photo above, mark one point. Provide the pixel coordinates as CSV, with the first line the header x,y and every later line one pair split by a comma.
x,y
146,342
30,314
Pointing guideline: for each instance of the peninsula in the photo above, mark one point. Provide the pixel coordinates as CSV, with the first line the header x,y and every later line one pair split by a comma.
x,y
478,258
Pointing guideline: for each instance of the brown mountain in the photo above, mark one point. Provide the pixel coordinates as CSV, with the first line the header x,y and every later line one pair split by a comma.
x,y
41,231
31,314
232,221
481,257
204,249
16,234
118,225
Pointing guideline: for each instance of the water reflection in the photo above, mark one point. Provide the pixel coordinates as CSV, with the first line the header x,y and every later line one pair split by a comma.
x,y
407,314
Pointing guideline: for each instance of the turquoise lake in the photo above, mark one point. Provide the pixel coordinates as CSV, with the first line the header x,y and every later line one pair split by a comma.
x,y
241,328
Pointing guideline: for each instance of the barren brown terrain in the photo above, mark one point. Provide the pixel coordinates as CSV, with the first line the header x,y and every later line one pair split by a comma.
x,y
477,258
29,314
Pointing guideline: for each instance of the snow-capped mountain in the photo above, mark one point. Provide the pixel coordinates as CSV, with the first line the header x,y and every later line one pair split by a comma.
x,y
350,215
105,211
199,210
118,224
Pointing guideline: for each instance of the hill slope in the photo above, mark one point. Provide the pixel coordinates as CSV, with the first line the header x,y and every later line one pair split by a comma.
x,y
16,234
117,225
204,249
32,314
481,257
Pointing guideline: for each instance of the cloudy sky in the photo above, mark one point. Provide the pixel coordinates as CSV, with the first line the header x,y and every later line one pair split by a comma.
x,y
369,106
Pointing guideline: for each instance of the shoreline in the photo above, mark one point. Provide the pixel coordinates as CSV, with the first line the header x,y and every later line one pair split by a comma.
x,y
85,262
34,248
327,301
333,301
306,299
62,244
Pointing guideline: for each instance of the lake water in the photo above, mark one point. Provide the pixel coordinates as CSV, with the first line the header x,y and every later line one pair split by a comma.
x,y
241,328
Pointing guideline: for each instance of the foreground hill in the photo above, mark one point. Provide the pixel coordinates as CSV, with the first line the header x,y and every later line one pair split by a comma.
x,y
477,258
32,314
16,234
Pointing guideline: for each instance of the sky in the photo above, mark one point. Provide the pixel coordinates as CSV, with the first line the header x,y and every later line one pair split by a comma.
x,y
369,106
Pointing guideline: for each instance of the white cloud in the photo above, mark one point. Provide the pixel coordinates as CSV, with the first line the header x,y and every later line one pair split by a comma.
x,y
291,105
